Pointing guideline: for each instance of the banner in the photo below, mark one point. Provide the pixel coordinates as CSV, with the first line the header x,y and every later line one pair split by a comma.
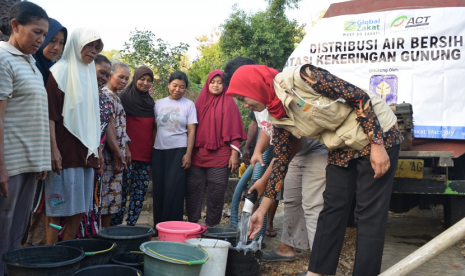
x,y
412,56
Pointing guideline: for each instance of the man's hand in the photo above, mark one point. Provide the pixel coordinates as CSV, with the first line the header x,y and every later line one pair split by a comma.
x,y
379,160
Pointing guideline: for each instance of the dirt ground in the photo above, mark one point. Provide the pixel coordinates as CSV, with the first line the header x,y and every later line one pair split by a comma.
x,y
300,265
346,260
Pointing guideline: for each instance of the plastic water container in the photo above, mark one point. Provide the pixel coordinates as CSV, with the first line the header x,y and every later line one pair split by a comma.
x,y
132,259
127,238
165,258
97,252
218,251
179,231
43,260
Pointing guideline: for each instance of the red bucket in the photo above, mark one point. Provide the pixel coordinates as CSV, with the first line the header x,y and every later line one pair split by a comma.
x,y
179,231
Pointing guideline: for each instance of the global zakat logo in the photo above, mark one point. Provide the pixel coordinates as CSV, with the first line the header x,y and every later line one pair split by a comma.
x,y
415,21
362,25
349,26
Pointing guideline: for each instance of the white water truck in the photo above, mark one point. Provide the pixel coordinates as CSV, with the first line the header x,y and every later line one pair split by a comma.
x,y
410,53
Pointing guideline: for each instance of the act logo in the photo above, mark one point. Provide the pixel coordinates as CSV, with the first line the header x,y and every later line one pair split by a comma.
x,y
410,22
418,21
398,21
349,26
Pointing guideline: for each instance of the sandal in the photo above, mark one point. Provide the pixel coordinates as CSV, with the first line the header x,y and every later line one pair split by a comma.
x,y
272,256
271,233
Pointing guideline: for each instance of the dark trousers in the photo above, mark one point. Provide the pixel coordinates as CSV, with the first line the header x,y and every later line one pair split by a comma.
x,y
169,185
198,180
372,197
14,212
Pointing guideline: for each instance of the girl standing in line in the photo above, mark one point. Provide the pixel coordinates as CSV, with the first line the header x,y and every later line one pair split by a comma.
x,y
176,121
216,153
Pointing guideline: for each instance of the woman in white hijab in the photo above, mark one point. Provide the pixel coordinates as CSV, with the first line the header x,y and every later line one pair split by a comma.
x,y
74,133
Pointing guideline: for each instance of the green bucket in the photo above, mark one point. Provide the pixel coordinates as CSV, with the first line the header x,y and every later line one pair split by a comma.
x,y
164,258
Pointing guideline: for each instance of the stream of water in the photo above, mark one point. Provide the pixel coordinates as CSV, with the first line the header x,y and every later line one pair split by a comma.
x,y
241,236
242,229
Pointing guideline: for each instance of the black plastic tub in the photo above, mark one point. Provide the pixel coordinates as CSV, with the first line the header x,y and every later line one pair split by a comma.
x,y
53,260
97,252
222,233
127,238
108,270
132,259
239,264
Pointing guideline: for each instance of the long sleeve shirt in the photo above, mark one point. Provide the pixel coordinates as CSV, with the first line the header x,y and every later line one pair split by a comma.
x,y
333,87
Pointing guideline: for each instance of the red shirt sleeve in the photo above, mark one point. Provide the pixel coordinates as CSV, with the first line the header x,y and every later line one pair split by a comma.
x,y
236,143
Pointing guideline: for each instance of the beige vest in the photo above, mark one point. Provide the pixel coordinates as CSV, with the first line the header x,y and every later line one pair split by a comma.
x,y
332,123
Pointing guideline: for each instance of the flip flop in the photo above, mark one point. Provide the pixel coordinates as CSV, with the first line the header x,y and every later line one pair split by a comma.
x,y
271,233
272,256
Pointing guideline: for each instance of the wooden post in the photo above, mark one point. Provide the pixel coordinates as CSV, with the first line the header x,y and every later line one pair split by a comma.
x,y
423,254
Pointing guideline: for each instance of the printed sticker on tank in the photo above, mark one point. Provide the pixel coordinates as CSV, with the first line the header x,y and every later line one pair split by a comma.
x,y
385,86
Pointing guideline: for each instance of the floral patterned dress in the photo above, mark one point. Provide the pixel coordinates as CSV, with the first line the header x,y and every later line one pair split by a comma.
x,y
91,221
112,183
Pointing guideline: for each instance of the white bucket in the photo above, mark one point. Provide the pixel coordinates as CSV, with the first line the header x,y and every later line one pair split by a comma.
x,y
218,251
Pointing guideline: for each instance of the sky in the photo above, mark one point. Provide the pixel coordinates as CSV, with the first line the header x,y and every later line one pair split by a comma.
x,y
173,21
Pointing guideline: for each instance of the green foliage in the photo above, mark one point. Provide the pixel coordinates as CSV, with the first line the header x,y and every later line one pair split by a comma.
x,y
144,49
265,37
113,55
278,6
211,58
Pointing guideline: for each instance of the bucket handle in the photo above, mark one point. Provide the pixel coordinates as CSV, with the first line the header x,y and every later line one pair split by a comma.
x,y
184,262
201,231
99,252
